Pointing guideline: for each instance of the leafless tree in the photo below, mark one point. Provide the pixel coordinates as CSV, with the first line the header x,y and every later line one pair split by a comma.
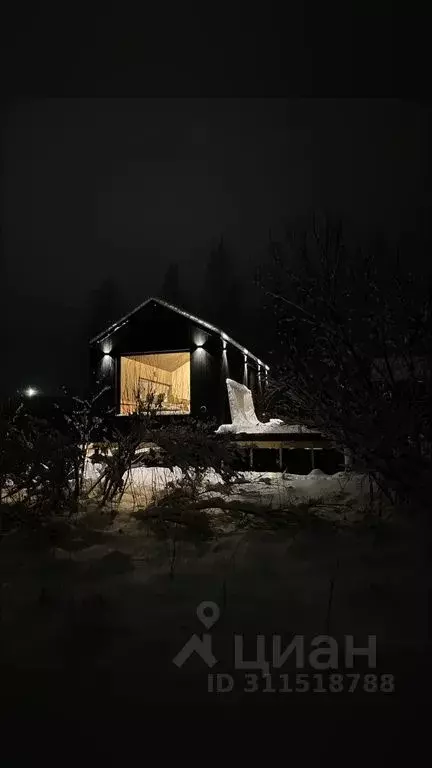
x,y
354,335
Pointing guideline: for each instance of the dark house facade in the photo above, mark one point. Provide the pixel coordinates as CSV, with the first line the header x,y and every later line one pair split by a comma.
x,y
160,351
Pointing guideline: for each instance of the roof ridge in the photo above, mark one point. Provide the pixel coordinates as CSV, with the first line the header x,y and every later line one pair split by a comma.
x,y
123,320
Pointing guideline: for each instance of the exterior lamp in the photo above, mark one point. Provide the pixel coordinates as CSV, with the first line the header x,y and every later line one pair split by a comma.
x,y
106,346
199,338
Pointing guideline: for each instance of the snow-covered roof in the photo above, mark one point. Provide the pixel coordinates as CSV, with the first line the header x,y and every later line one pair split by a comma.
x,y
123,320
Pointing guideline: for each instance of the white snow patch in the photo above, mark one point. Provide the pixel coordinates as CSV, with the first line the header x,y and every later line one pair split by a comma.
x,y
244,419
274,426
92,471
274,489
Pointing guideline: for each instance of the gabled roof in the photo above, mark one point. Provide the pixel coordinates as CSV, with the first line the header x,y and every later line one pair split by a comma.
x,y
123,320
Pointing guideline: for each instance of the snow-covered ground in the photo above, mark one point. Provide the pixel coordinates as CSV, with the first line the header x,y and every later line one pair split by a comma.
x,y
270,489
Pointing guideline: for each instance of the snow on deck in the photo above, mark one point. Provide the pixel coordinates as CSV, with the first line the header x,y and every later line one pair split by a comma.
x,y
270,428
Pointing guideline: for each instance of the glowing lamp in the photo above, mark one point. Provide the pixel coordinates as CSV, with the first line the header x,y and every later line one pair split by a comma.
x,y
199,337
107,346
30,392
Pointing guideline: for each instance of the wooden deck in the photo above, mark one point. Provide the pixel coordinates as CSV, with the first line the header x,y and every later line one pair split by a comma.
x,y
282,444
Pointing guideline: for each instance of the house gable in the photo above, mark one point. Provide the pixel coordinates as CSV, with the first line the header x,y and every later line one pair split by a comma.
x,y
132,318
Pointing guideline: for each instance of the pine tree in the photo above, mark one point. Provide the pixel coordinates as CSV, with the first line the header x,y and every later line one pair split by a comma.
x,y
171,285
105,305
221,293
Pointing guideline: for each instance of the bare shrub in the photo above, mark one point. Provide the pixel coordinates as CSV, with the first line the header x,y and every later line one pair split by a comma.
x,y
191,446
42,463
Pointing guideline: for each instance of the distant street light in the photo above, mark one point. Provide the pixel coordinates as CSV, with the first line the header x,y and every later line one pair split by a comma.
x,y
30,392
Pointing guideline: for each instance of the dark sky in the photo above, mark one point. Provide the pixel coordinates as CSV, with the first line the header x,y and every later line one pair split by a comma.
x,y
96,187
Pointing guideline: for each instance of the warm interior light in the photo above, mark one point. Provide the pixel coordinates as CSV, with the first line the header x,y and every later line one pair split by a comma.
x,y
156,376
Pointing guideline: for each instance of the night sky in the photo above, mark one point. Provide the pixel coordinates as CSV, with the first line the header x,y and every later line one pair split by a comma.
x,y
96,187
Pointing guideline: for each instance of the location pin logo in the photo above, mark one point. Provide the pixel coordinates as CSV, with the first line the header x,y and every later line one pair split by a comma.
x,y
208,613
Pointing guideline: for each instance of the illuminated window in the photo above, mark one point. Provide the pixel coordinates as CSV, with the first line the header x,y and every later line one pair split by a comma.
x,y
155,381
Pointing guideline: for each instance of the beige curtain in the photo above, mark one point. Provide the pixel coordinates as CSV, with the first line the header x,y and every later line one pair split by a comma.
x,y
167,374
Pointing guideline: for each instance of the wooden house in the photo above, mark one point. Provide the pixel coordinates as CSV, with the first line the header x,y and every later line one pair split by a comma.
x,y
159,350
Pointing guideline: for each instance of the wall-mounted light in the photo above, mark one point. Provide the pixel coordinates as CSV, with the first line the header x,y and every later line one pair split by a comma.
x,y
245,368
224,358
107,364
106,346
199,337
